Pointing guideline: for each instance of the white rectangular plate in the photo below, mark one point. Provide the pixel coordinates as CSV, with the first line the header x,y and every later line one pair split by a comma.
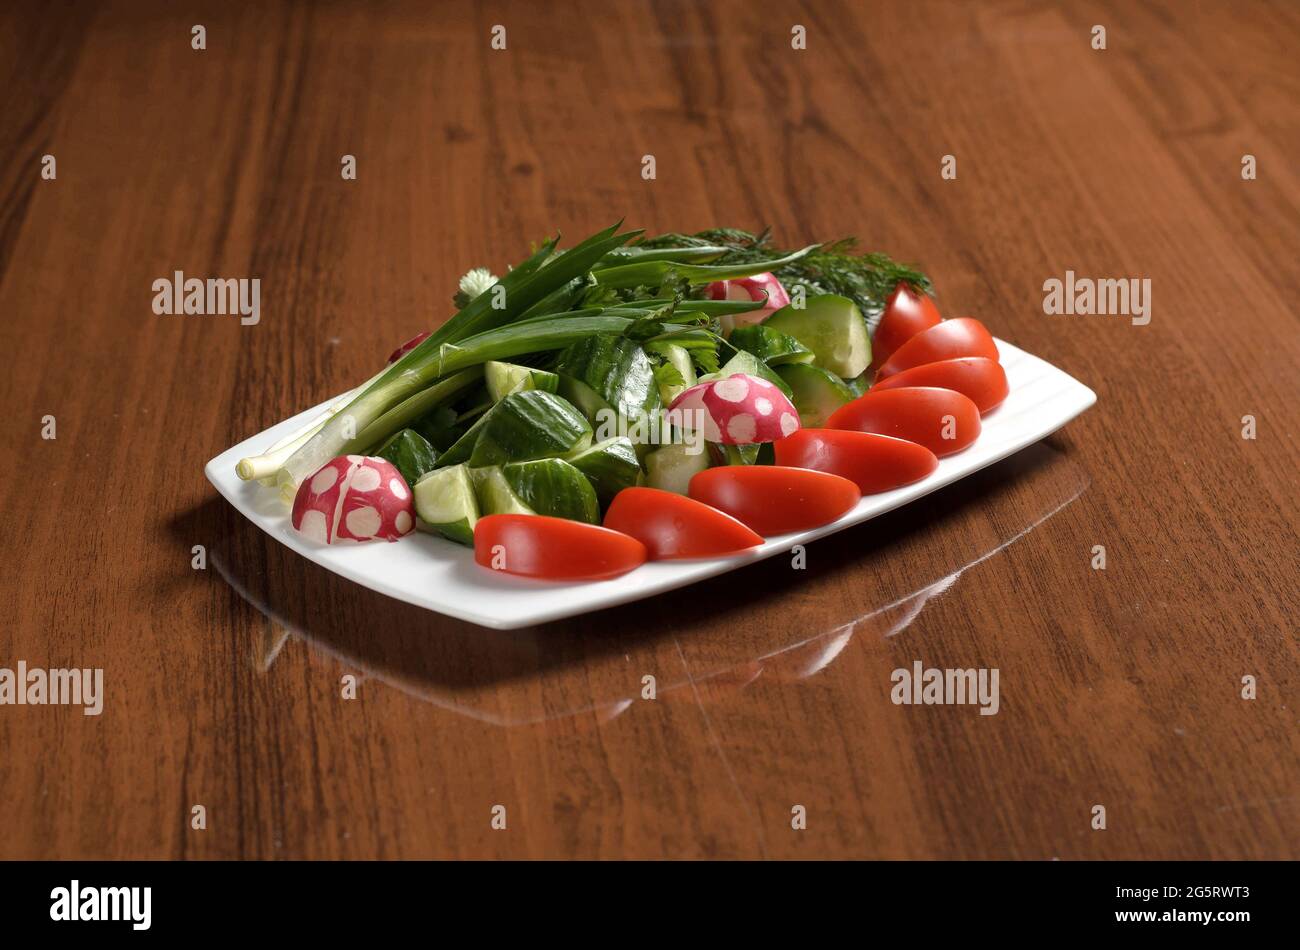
x,y
434,573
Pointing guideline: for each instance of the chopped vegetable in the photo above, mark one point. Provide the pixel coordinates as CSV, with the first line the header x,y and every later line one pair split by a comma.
x,y
942,420
873,462
673,526
981,380
770,345
527,425
502,379
553,487
907,313
832,327
553,548
949,340
773,499
737,410
763,288
411,453
817,393
352,498
610,466
445,502
671,467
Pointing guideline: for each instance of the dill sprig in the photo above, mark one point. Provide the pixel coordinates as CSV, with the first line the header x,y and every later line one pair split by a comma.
x,y
834,268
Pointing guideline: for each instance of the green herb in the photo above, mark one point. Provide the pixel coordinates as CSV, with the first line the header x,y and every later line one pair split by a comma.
x,y
833,268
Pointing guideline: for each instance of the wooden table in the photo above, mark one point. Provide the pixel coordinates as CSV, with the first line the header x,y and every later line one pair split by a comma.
x,y
1119,687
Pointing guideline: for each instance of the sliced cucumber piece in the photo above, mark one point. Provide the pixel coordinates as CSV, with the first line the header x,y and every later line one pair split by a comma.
x,y
460,450
770,345
553,487
610,466
679,359
859,384
618,373
505,378
494,494
411,453
445,502
833,328
528,425
670,467
817,393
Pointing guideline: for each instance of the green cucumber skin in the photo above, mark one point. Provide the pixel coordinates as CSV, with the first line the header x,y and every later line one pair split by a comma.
x,y
529,425
445,501
616,369
610,466
770,345
555,488
817,393
411,453
671,467
494,494
506,378
833,328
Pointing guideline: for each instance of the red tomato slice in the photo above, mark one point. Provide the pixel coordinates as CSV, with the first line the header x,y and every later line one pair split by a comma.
x,y
554,548
945,341
982,381
907,313
773,499
942,420
873,462
674,526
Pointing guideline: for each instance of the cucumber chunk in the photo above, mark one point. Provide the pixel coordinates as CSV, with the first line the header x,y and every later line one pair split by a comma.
x,y
610,466
553,487
527,425
494,494
502,379
833,328
606,374
670,467
411,453
445,503
679,359
817,393
770,345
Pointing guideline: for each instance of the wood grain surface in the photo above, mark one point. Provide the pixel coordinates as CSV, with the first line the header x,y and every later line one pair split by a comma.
x,y
1119,687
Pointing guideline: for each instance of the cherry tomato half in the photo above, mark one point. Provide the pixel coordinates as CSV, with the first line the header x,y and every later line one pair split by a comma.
x,y
907,313
982,381
674,526
945,341
873,462
942,420
773,499
554,548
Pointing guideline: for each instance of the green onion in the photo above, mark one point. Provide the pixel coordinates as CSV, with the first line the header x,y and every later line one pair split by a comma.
x,y
654,273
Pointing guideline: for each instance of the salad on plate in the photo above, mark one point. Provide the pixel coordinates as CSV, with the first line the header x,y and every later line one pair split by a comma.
x,y
631,399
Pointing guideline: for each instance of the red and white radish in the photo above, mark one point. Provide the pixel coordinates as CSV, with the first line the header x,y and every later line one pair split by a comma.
x,y
406,347
749,288
354,498
738,410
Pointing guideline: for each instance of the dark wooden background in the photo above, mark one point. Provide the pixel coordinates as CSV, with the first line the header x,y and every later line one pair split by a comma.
x,y
1119,687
